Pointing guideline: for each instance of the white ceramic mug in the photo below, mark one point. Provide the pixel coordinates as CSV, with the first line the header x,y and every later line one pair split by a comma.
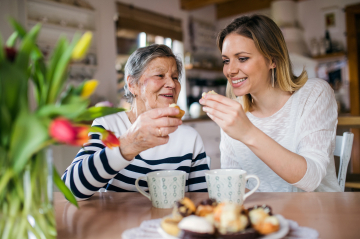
x,y
165,187
229,185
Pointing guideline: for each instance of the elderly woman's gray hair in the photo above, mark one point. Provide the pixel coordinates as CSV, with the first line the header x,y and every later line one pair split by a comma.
x,y
138,62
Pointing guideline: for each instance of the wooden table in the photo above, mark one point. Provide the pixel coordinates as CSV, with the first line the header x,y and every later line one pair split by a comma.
x,y
107,215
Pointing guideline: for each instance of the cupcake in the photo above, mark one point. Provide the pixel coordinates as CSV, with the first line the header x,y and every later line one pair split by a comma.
x,y
194,227
183,208
206,207
262,220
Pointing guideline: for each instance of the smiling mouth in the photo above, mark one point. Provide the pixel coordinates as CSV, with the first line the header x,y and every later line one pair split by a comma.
x,y
168,96
239,80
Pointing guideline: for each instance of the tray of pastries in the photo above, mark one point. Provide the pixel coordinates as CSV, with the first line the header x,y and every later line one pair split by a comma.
x,y
210,219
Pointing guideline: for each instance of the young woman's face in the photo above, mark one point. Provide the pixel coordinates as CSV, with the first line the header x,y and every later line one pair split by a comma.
x,y
158,86
245,68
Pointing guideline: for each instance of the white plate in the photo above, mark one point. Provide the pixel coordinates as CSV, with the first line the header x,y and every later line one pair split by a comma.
x,y
283,230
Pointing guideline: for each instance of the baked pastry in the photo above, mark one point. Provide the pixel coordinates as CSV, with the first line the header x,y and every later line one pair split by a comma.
x,y
170,226
262,221
181,112
194,227
229,220
210,92
183,208
206,207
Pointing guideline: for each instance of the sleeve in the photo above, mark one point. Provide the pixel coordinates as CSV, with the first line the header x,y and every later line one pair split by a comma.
x,y
317,135
199,165
93,166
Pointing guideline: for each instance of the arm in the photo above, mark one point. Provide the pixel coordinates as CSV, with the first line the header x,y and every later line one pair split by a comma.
x,y
93,166
197,181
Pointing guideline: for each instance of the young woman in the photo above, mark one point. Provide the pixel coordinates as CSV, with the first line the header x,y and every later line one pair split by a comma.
x,y
280,127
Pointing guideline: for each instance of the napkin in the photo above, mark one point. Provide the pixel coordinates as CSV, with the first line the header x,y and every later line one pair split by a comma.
x,y
149,230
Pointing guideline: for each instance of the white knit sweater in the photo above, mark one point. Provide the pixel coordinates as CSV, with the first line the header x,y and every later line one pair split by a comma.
x,y
305,125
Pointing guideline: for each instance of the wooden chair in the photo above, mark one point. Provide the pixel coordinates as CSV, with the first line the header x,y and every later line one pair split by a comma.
x,y
343,147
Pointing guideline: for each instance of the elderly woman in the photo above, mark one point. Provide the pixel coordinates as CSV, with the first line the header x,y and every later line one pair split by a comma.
x,y
150,139
276,125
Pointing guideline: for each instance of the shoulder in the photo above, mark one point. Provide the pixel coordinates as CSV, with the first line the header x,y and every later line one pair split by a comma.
x,y
110,121
316,86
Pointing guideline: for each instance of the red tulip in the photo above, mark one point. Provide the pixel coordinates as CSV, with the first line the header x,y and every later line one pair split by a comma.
x,y
10,53
63,131
109,139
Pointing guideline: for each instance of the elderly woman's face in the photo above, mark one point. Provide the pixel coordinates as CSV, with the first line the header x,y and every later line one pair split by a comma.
x,y
159,85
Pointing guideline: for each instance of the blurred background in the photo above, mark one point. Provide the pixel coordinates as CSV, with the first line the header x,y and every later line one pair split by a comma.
x,y
323,36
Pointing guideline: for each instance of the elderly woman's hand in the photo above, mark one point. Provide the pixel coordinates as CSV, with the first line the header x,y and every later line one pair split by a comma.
x,y
229,115
151,128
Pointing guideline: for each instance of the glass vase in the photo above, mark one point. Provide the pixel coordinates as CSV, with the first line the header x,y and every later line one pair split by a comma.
x,y
26,201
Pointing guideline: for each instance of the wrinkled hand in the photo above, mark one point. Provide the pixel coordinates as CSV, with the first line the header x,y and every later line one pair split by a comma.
x,y
229,115
152,128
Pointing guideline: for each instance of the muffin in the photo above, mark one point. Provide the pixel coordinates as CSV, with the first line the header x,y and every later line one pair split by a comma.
x,y
269,225
181,112
262,220
170,226
205,207
183,208
194,227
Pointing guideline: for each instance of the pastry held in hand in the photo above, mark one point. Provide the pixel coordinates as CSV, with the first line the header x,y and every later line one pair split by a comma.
x,y
181,112
194,227
210,93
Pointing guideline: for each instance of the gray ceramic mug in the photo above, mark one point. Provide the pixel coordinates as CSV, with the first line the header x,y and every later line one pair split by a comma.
x,y
165,187
229,185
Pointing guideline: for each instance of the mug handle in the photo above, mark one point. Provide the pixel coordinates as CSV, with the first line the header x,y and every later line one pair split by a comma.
x,y
139,189
254,189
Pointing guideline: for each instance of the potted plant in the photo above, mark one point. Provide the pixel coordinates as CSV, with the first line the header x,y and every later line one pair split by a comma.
x,y
26,172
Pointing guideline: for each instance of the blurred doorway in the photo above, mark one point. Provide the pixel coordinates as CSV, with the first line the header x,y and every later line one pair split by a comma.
x,y
353,45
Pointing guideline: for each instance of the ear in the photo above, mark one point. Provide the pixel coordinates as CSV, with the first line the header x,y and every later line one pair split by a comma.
x,y
272,64
132,86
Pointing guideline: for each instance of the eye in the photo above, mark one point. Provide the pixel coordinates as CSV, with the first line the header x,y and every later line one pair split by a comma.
x,y
243,59
226,61
175,78
161,76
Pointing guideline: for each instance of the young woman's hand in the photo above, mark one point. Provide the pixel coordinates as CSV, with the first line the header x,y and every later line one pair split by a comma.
x,y
230,116
151,128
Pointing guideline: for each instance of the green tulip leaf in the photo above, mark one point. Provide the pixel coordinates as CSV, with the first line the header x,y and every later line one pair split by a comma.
x,y
61,45
12,39
68,111
96,112
18,28
59,76
29,135
2,53
26,47
63,188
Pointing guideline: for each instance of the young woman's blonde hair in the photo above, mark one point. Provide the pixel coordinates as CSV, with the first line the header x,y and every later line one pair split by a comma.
x,y
269,40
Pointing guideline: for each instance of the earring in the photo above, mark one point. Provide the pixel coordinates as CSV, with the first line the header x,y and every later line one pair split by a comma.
x,y
272,77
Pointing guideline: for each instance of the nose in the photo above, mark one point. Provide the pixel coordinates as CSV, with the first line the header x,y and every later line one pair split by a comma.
x,y
170,82
233,68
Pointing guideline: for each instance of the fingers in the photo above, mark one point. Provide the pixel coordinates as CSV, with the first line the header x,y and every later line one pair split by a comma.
x,y
164,131
167,122
162,112
218,98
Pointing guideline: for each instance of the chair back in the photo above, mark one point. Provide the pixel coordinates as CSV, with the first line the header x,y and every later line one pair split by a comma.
x,y
343,147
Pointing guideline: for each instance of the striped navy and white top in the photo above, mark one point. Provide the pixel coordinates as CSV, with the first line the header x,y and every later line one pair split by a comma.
x,y
96,166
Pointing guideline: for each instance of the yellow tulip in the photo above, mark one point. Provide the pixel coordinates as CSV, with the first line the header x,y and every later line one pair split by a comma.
x,y
89,88
82,46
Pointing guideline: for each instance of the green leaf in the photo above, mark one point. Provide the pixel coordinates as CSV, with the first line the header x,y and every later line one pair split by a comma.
x,y
17,27
12,39
60,48
38,77
68,111
29,135
5,125
13,85
2,53
63,188
26,47
59,77
96,112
